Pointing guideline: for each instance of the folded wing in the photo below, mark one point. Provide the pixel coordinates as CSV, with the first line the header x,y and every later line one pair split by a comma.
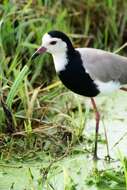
x,y
104,66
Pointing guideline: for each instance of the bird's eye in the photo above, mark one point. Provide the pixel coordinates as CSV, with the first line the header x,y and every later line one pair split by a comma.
x,y
53,42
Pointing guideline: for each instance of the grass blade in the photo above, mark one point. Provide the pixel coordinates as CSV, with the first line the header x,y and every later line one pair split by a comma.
x,y
16,85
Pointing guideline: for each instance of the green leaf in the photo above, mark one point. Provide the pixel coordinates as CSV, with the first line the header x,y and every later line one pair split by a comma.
x,y
15,86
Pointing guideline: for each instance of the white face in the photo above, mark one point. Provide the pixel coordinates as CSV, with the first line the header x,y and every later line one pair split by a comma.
x,y
53,45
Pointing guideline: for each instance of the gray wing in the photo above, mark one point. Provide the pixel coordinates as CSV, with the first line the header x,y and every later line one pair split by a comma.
x,y
104,66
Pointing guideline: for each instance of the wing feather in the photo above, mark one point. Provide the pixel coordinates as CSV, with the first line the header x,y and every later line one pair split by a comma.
x,y
103,65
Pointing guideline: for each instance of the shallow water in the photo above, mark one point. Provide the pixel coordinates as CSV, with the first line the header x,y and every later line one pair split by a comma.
x,y
113,110
78,167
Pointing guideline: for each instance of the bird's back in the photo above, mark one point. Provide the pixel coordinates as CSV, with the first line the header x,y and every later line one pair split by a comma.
x,y
103,65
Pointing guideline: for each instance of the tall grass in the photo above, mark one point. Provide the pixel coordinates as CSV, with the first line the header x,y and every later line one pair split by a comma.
x,y
21,29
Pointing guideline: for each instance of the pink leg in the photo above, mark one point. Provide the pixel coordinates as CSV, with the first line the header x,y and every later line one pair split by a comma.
x,y
97,115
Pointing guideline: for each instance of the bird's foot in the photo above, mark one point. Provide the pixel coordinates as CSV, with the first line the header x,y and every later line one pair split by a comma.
x,y
108,158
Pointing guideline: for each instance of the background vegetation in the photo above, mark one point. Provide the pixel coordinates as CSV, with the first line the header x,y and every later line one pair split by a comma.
x,y
37,112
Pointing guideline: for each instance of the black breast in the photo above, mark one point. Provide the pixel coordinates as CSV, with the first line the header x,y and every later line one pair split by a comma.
x,y
75,78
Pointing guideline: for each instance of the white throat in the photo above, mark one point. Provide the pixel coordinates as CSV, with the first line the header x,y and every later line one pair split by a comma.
x,y
60,61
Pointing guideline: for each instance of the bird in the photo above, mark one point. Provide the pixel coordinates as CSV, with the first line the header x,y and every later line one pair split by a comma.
x,y
86,71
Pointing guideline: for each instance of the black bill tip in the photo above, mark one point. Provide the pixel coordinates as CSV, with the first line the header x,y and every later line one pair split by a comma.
x,y
39,51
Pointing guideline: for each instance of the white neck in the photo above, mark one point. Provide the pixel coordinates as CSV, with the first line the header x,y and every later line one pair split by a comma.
x,y
60,61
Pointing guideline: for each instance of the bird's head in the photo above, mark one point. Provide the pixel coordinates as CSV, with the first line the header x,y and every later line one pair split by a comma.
x,y
54,42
